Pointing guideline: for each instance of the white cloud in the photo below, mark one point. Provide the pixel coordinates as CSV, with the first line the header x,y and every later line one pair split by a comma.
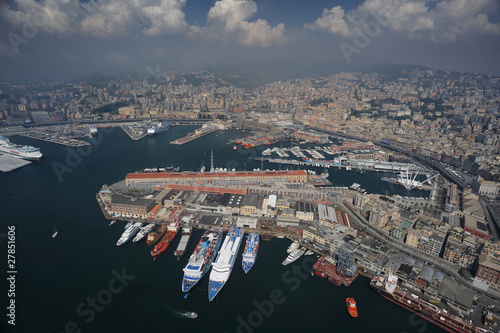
x,y
49,16
99,18
167,17
447,21
261,33
226,20
230,17
333,21
103,19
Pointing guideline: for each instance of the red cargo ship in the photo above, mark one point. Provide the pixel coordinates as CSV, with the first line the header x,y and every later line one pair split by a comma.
x,y
165,241
388,288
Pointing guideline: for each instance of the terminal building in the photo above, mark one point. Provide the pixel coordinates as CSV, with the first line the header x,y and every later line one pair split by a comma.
x,y
149,180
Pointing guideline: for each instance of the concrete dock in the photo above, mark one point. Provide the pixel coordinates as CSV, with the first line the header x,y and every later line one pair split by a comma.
x,y
135,133
193,136
9,163
57,140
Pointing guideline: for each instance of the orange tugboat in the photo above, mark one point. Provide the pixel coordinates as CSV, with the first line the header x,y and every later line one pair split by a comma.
x,y
351,307
165,241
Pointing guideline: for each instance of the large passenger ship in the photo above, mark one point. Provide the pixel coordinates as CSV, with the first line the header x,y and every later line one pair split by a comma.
x,y
158,128
24,152
250,251
201,260
223,265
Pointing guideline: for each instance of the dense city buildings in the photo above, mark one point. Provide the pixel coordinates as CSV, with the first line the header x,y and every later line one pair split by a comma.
x,y
443,119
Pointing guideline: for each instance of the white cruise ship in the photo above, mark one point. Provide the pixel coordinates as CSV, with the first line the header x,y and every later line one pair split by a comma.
x,y
158,128
223,265
24,152
201,260
129,233
250,251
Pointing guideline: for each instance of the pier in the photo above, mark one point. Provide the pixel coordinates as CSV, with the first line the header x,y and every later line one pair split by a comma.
x,y
9,163
135,133
57,140
350,165
196,135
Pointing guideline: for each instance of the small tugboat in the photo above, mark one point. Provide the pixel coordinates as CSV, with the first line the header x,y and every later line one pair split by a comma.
x,y
351,307
55,232
112,222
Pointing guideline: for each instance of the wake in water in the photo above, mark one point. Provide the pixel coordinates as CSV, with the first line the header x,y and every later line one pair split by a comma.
x,y
183,314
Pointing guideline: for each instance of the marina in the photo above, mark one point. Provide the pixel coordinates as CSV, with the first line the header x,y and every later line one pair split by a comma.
x,y
345,164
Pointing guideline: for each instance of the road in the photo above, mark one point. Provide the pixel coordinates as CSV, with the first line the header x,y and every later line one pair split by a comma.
x,y
494,217
445,266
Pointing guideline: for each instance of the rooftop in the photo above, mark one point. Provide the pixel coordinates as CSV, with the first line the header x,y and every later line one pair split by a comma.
x,y
121,199
139,175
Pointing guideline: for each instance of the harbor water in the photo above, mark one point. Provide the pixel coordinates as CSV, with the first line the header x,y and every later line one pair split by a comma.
x,y
80,281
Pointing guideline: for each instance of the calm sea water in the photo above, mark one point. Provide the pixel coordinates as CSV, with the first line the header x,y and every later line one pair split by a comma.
x,y
81,281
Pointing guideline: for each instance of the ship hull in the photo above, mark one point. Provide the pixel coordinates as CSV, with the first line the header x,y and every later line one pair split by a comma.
x,y
446,324
128,234
159,129
250,252
23,152
157,132
421,315
192,277
223,265
153,237
18,155
183,244
163,244
293,257
351,307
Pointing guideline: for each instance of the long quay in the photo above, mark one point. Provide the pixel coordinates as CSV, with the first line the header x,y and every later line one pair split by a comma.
x,y
133,133
196,134
57,140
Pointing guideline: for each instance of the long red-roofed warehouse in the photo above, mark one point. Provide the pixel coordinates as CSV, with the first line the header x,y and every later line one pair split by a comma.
x,y
138,178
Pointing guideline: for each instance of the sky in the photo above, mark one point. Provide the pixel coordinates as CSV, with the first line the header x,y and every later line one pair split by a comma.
x,y
71,38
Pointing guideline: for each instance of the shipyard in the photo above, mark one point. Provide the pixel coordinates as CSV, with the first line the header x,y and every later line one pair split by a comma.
x,y
331,222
